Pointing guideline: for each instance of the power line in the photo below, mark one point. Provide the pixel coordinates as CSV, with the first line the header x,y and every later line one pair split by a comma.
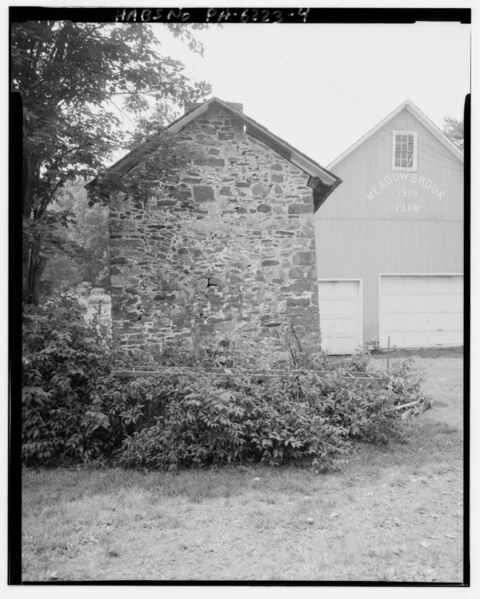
x,y
430,150
385,128
342,90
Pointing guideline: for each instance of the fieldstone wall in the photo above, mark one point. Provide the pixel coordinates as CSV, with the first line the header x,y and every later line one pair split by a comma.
x,y
231,259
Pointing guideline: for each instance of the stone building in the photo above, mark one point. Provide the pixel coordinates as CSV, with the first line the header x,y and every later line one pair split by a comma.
x,y
233,262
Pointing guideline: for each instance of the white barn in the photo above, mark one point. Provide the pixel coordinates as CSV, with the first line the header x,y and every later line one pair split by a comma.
x,y
389,240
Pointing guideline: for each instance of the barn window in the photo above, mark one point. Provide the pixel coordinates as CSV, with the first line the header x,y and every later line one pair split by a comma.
x,y
404,151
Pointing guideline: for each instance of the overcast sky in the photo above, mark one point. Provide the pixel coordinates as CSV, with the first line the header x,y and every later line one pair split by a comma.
x,y
322,86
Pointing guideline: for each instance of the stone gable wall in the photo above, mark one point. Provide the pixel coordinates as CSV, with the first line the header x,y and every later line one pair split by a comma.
x,y
232,258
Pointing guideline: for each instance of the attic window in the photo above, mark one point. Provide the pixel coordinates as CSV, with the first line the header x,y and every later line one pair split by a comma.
x,y
404,151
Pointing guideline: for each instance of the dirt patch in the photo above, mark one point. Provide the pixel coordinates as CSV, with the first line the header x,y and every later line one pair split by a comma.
x,y
391,514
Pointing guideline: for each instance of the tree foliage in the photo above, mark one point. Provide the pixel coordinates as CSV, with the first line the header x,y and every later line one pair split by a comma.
x,y
63,358
454,130
84,255
75,79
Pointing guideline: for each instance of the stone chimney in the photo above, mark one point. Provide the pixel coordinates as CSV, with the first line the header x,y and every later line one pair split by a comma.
x,y
191,105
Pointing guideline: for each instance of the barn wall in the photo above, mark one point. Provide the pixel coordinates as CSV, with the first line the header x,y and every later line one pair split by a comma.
x,y
381,221
402,247
233,260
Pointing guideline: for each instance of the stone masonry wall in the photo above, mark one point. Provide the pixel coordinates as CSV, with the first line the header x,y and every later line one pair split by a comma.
x,y
232,258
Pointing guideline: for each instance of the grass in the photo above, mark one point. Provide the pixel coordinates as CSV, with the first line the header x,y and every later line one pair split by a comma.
x,y
390,514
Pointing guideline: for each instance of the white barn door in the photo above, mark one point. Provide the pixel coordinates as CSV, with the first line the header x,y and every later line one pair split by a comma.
x,y
340,307
421,310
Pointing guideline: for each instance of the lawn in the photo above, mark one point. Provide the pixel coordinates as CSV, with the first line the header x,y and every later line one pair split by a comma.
x,y
390,514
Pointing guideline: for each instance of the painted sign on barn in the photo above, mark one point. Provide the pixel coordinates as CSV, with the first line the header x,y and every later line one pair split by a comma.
x,y
399,212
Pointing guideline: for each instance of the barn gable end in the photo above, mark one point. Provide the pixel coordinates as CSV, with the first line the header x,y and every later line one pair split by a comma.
x,y
390,239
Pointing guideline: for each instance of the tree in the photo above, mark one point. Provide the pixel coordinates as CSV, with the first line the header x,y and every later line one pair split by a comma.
x,y
453,129
74,80
84,258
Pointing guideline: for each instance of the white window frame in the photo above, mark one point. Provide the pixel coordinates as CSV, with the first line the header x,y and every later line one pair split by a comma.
x,y
415,151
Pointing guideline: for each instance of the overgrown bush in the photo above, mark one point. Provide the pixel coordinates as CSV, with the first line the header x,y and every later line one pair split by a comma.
x,y
75,411
220,353
211,418
71,409
373,410
204,418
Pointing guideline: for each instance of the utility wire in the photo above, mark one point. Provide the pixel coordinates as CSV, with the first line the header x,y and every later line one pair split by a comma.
x,y
297,66
317,74
386,127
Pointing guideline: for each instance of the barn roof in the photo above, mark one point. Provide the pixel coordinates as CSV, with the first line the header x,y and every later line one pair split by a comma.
x,y
321,180
418,114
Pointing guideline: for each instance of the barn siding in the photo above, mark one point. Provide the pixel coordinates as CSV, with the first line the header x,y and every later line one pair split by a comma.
x,y
358,237
406,247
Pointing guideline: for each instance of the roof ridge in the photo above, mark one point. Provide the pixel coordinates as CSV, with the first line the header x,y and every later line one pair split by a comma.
x,y
417,113
255,129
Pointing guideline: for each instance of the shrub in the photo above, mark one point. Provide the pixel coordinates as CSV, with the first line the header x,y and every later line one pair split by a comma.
x,y
75,411
201,418
372,411
71,409
211,418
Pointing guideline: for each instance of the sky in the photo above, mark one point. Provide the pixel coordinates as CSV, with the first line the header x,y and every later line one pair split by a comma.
x,y
322,86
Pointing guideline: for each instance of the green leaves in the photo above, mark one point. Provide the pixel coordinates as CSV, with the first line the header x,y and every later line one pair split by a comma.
x,y
79,84
62,358
74,411
202,418
213,418
66,74
454,130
